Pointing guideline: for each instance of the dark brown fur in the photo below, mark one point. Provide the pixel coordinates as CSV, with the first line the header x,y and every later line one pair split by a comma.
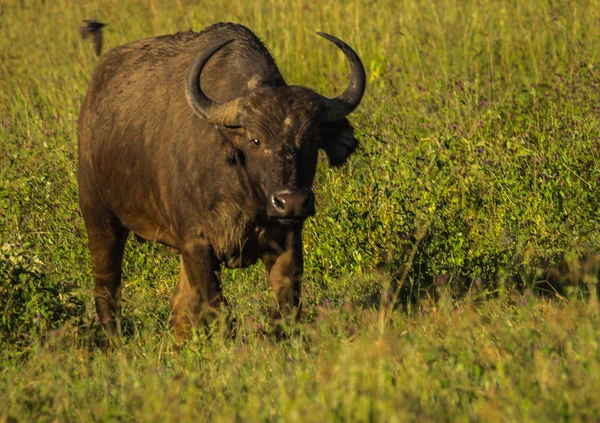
x,y
149,165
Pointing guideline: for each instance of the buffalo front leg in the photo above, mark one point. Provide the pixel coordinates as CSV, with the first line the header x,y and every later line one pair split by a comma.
x,y
106,241
198,294
285,268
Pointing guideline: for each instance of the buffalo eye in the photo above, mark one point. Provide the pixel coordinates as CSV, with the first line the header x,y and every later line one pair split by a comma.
x,y
255,142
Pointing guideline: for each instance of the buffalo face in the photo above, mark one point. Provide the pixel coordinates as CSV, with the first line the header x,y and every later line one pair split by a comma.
x,y
277,132
278,143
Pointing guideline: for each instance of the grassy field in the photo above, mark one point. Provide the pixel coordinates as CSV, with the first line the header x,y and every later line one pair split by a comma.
x,y
474,201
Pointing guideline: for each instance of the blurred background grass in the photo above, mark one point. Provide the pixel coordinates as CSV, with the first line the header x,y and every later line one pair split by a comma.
x,y
480,123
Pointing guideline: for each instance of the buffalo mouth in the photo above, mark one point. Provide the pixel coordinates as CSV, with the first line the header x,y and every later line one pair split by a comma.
x,y
288,220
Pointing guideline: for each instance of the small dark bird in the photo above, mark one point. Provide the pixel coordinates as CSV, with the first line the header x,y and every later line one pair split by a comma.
x,y
93,28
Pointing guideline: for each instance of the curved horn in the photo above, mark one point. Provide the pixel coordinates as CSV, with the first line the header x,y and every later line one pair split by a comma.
x,y
344,104
224,114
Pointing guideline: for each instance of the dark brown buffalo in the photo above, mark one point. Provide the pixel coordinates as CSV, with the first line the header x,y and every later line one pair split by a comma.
x,y
194,140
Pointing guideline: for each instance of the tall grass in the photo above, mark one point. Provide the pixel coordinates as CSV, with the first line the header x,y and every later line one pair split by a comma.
x,y
479,131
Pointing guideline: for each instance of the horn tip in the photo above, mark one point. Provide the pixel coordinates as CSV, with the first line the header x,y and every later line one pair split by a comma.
x,y
335,40
324,35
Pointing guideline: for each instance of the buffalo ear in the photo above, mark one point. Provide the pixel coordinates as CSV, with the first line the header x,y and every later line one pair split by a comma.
x,y
337,139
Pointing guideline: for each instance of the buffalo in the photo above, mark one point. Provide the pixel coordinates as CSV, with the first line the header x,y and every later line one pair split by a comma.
x,y
194,140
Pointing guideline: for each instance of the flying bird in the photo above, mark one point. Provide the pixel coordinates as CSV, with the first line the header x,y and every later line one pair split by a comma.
x,y
93,29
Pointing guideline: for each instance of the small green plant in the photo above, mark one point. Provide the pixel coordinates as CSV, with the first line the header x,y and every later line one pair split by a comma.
x,y
30,305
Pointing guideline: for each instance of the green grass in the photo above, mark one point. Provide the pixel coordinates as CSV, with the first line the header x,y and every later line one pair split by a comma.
x,y
527,360
475,197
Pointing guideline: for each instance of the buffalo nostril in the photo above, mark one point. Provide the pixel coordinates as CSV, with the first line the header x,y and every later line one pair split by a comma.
x,y
278,203
291,204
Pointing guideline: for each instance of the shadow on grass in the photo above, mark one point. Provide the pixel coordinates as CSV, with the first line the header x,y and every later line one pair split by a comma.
x,y
410,287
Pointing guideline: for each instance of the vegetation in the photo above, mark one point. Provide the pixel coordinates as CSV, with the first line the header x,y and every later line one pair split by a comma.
x,y
452,266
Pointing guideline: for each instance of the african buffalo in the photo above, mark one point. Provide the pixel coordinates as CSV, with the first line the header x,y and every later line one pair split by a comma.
x,y
194,140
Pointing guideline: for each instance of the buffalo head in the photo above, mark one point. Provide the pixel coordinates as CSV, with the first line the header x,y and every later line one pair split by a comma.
x,y
276,132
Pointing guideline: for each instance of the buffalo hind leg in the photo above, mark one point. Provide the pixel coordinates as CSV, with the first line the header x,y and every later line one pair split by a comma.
x,y
106,241
198,295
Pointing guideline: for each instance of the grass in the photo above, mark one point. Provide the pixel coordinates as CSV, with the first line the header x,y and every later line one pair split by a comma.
x,y
520,361
474,197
